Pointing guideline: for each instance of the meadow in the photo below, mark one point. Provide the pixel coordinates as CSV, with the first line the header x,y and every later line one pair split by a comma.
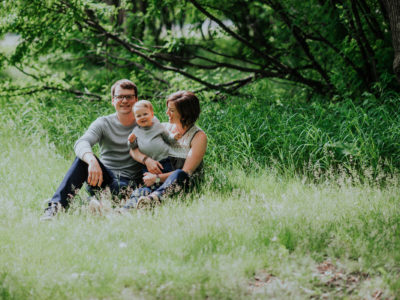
x,y
300,201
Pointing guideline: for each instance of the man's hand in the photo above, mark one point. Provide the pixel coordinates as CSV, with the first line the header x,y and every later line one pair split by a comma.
x,y
149,179
132,137
153,166
95,176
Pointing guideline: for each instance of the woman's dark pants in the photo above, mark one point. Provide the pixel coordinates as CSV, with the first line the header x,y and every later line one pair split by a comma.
x,y
177,181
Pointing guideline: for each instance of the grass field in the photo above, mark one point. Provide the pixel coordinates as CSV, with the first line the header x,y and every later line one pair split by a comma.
x,y
268,235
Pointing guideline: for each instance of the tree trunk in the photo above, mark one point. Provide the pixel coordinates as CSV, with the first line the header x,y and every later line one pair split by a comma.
x,y
393,12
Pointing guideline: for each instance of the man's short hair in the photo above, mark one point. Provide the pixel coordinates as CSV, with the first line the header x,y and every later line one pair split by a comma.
x,y
124,84
188,106
144,103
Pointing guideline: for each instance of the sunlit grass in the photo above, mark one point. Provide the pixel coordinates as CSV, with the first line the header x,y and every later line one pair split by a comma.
x,y
213,243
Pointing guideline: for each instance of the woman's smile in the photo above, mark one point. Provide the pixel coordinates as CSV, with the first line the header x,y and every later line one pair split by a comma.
x,y
173,114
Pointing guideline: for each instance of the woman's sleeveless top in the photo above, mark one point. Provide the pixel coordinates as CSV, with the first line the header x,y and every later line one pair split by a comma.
x,y
180,150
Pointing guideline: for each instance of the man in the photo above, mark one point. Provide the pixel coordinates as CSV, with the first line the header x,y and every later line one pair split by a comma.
x,y
116,169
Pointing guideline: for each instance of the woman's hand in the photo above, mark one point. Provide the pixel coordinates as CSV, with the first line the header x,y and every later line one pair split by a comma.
x,y
149,179
153,166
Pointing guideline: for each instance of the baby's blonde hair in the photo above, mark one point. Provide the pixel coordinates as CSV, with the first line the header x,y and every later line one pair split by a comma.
x,y
144,103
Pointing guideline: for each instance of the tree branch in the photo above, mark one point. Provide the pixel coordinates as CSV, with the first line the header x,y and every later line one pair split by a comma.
x,y
354,34
47,87
137,65
298,34
236,84
282,69
133,49
371,20
225,55
238,37
320,38
215,65
369,51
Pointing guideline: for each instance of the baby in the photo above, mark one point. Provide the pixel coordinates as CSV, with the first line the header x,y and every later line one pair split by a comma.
x,y
150,136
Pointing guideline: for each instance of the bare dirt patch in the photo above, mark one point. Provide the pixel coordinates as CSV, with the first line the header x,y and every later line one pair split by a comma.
x,y
335,281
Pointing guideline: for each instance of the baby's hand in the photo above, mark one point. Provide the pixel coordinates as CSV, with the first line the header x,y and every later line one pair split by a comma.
x,y
177,136
132,137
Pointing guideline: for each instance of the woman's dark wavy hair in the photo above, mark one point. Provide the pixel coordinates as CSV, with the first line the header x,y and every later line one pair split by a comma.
x,y
188,106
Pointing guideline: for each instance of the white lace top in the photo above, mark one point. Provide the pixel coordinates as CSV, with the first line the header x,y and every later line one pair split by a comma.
x,y
181,149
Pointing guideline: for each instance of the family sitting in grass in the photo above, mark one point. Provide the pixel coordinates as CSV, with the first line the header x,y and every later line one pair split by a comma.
x,y
151,172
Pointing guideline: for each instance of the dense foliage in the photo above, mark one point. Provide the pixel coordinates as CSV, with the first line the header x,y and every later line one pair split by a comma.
x,y
334,48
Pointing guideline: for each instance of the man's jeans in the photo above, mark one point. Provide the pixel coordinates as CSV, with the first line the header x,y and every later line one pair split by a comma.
x,y
77,175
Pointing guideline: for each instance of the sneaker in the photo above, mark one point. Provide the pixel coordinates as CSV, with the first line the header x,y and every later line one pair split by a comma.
x,y
148,202
95,206
131,204
128,207
50,212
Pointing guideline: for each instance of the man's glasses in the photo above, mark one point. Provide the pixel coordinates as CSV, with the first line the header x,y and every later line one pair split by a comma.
x,y
122,97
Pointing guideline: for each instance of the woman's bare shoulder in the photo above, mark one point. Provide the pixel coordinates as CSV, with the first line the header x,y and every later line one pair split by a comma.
x,y
200,138
201,134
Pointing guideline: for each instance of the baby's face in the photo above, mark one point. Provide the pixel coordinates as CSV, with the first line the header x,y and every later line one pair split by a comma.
x,y
143,115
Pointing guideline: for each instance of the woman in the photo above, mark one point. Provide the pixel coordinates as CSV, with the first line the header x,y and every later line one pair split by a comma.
x,y
183,109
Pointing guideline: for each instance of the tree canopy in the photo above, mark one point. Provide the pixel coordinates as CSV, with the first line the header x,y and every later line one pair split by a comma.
x,y
331,47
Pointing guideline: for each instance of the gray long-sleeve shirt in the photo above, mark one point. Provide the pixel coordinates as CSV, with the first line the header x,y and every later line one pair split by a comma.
x,y
154,141
114,151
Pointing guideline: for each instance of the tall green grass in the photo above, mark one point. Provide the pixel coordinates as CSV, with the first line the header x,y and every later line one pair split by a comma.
x,y
210,244
291,135
248,132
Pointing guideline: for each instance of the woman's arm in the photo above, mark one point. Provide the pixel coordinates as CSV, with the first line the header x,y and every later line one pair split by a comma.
x,y
193,159
196,153
152,165
149,179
